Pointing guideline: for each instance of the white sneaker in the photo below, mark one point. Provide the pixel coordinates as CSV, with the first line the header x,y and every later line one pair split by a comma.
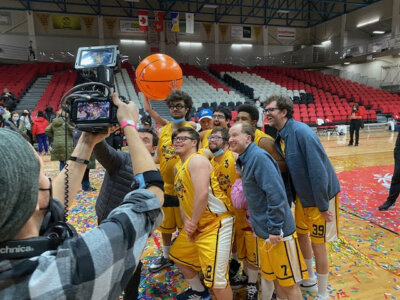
x,y
309,285
321,297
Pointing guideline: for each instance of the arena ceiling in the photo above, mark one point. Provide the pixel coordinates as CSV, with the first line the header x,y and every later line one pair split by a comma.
x,y
288,13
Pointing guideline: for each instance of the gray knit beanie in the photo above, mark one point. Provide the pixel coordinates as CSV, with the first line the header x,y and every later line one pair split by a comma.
x,y
19,183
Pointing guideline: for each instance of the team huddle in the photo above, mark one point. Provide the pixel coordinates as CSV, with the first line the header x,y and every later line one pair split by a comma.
x,y
229,192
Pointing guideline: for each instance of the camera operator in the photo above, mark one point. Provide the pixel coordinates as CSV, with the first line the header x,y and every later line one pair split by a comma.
x,y
95,265
116,184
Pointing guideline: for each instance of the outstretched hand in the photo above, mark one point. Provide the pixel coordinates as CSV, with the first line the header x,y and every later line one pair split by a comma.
x,y
125,111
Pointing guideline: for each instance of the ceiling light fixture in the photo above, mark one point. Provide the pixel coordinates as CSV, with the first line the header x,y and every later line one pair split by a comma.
x,y
132,41
367,22
378,32
283,11
213,6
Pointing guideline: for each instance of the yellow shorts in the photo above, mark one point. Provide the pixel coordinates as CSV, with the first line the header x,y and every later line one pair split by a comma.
x,y
246,242
209,252
282,261
310,221
172,220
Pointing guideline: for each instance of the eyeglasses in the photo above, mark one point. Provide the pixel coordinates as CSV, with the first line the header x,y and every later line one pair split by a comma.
x,y
50,189
181,139
215,138
219,117
177,107
270,110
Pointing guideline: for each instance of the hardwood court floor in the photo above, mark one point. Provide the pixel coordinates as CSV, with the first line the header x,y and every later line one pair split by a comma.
x,y
364,264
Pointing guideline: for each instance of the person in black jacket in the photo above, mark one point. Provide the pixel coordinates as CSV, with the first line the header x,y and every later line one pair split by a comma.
x,y
117,183
395,185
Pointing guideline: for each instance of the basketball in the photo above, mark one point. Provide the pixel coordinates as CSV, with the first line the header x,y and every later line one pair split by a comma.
x,y
157,75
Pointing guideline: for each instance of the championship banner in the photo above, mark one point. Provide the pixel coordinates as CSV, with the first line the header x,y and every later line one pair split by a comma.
x,y
159,21
284,33
189,23
128,26
223,29
66,22
44,20
88,23
257,33
143,20
175,22
110,23
207,29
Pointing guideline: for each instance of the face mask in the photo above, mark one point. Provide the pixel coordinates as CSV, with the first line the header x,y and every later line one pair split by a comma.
x,y
16,118
177,121
140,127
219,152
24,114
354,109
257,105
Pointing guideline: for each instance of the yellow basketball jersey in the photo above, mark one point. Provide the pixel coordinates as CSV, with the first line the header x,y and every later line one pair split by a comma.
x,y
185,192
168,158
225,170
204,141
258,135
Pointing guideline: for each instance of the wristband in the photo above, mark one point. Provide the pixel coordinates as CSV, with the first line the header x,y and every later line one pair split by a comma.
x,y
78,160
128,123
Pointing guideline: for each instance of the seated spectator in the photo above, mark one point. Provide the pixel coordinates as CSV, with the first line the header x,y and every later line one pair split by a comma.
x,y
14,118
96,264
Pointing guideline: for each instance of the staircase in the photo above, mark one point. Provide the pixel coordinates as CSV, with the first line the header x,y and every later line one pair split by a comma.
x,y
161,108
32,97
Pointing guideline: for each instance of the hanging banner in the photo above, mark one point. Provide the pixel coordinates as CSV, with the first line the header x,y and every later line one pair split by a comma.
x,y
257,33
44,20
207,29
159,21
285,33
223,29
189,23
128,26
66,22
175,22
110,23
143,20
88,23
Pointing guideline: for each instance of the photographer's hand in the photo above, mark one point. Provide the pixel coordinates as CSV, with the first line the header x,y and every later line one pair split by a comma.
x,y
125,111
140,156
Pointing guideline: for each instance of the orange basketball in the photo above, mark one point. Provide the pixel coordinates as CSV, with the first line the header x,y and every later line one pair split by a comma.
x,y
157,75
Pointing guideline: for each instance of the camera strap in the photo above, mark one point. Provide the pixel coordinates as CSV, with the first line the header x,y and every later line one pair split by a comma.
x,y
18,249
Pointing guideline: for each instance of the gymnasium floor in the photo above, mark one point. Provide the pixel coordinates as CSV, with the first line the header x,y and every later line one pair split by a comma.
x,y
364,264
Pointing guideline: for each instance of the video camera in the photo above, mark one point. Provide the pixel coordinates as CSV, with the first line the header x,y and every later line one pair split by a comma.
x,y
89,104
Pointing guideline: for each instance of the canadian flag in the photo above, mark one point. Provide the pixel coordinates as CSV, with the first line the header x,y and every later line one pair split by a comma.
x,y
159,21
143,20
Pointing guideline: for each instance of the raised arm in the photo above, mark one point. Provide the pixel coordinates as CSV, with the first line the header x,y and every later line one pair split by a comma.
x,y
152,113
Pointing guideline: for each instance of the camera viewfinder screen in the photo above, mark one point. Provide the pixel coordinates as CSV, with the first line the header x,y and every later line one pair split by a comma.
x,y
95,57
93,111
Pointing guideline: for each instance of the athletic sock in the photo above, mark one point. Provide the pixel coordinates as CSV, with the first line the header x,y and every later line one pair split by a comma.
x,y
252,275
235,257
166,251
196,284
310,270
322,283
267,288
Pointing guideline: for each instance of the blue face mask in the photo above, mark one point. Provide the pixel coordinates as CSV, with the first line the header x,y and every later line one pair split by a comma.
x,y
140,127
16,118
257,105
219,152
177,121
